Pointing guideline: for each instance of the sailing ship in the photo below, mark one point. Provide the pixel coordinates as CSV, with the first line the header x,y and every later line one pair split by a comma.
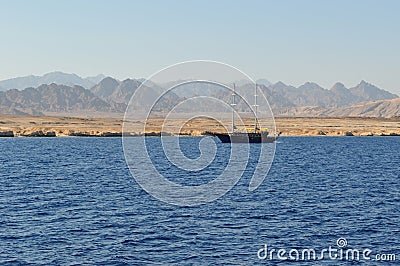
x,y
254,135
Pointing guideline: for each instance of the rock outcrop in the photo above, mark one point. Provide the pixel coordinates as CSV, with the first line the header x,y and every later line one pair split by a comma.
x,y
6,134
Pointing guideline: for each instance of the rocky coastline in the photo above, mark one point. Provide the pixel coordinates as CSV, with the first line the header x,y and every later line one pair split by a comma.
x,y
53,126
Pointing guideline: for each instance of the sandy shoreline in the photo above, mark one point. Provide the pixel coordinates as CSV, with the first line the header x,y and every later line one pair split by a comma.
x,y
286,126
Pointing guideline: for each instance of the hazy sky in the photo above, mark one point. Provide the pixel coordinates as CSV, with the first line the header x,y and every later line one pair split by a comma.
x,y
291,41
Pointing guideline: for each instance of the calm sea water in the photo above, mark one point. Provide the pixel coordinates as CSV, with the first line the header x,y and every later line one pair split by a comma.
x,y
72,201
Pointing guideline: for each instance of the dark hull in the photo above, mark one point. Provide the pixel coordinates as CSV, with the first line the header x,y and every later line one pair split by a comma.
x,y
245,138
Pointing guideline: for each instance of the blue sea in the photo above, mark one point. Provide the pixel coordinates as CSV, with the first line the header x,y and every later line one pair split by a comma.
x,y
73,201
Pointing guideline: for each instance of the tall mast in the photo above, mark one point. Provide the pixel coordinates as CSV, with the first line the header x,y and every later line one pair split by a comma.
x,y
255,109
233,110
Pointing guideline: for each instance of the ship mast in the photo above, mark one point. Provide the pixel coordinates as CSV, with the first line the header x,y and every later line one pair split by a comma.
x,y
255,109
233,110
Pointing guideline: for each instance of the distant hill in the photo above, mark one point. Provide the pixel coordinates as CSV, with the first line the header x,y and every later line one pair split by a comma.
x,y
105,88
112,90
382,108
95,79
264,82
369,92
52,77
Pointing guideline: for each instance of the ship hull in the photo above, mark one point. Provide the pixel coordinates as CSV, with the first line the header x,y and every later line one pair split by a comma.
x,y
244,138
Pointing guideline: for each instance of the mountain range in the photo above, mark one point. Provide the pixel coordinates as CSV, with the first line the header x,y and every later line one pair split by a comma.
x,y
311,94
52,77
107,98
69,94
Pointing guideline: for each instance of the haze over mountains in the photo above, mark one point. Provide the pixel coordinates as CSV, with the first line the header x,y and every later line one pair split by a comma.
x,y
52,77
58,93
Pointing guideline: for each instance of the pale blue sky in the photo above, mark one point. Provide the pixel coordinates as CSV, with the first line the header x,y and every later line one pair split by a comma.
x,y
291,41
